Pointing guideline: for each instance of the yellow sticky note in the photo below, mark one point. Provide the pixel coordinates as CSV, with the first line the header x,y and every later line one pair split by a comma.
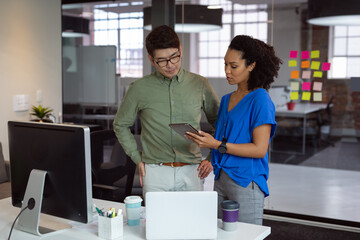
x,y
306,96
318,74
294,86
294,95
315,54
294,74
315,65
317,96
292,63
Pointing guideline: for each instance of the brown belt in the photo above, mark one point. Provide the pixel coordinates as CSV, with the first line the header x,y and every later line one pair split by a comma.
x,y
174,164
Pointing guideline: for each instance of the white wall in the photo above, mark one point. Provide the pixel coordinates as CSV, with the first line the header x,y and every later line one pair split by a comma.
x,y
287,36
30,57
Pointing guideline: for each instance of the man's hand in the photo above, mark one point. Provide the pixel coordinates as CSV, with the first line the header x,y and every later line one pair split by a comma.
x,y
204,169
141,168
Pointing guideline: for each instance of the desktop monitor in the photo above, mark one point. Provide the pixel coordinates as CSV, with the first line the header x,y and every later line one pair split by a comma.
x,y
50,166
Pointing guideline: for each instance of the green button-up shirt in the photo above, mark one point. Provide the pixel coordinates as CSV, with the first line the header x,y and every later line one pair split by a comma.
x,y
160,102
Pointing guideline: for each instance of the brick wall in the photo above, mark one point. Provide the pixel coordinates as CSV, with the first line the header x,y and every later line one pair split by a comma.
x,y
346,105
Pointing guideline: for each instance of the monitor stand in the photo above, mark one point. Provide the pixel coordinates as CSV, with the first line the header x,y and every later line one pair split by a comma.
x,y
30,218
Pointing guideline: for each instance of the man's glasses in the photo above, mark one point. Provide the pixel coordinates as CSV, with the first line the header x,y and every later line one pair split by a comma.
x,y
164,63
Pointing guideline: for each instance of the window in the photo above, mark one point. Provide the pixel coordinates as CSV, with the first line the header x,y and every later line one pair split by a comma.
x,y
344,51
237,19
123,30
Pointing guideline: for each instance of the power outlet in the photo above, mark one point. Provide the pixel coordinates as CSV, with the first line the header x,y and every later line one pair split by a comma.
x,y
21,103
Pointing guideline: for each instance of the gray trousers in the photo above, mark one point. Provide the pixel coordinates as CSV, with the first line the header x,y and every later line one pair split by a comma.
x,y
251,198
160,178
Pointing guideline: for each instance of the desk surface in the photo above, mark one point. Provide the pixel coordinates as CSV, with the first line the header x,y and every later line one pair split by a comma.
x,y
89,231
300,110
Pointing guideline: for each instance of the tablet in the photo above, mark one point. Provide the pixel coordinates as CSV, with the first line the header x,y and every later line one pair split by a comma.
x,y
182,128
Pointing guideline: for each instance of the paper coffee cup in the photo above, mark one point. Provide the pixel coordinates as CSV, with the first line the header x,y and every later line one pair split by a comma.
x,y
133,205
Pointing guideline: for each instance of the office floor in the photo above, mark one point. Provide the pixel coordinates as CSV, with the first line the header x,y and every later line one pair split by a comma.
x,y
324,185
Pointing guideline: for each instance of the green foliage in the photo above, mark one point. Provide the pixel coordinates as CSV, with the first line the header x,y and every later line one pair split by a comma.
x,y
41,112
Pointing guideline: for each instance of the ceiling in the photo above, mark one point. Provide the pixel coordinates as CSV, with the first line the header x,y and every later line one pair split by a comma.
x,y
79,7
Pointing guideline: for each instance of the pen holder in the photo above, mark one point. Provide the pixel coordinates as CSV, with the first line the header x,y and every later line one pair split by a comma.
x,y
110,228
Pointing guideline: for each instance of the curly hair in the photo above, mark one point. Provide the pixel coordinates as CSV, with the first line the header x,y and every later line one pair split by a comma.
x,y
267,63
160,38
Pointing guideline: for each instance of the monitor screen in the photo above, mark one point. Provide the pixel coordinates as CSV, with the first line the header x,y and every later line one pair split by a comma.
x,y
63,151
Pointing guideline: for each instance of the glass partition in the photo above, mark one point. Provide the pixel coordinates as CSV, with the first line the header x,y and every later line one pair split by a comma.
x,y
314,166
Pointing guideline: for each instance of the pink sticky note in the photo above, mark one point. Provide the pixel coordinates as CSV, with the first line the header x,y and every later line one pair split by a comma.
x,y
305,54
317,86
326,66
306,86
306,74
293,54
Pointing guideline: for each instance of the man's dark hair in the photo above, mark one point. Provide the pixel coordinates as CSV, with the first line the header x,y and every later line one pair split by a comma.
x,y
160,38
267,63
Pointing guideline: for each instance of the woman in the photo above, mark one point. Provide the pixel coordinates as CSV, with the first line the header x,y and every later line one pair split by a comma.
x,y
245,125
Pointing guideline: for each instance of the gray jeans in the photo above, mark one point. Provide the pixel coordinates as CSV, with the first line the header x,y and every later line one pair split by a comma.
x,y
251,198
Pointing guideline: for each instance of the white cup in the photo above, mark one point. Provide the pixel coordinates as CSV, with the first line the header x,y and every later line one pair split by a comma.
x,y
133,205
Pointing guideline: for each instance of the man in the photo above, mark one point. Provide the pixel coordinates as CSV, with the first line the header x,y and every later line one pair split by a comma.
x,y
168,161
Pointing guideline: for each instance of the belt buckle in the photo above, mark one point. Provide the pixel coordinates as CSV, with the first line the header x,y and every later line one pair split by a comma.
x,y
172,164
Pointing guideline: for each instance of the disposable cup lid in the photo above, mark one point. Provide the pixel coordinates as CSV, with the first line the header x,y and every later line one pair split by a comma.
x,y
132,199
230,204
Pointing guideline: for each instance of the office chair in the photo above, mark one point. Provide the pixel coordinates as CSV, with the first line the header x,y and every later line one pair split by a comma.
x,y
136,187
324,123
106,173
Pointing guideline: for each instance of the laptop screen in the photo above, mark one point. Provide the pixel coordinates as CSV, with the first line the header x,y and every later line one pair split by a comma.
x,y
181,215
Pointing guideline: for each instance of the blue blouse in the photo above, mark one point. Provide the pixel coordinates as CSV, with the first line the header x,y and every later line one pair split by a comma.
x,y
237,126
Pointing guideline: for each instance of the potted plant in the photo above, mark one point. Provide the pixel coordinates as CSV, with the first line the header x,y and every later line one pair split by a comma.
x,y
290,105
42,113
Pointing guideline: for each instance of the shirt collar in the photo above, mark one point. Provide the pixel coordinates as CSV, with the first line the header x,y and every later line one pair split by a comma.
x,y
179,77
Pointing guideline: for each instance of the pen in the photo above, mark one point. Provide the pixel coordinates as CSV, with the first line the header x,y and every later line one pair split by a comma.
x,y
109,213
112,212
98,210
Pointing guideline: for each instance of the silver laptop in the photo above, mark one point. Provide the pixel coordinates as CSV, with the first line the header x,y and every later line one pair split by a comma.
x,y
181,215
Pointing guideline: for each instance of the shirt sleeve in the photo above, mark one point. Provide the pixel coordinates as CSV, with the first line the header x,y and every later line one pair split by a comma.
x,y
264,113
210,103
124,119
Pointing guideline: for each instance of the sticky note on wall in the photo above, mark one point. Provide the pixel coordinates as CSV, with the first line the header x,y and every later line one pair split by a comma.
x,y
292,63
293,54
305,64
317,86
305,55
294,74
306,75
294,95
294,86
306,96
326,66
315,54
317,96
306,86
315,65
318,74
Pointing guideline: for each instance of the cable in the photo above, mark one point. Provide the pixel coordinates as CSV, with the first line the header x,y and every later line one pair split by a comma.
x,y
15,221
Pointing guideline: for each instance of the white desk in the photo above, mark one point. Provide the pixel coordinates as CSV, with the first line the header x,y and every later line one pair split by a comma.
x,y
89,231
301,110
